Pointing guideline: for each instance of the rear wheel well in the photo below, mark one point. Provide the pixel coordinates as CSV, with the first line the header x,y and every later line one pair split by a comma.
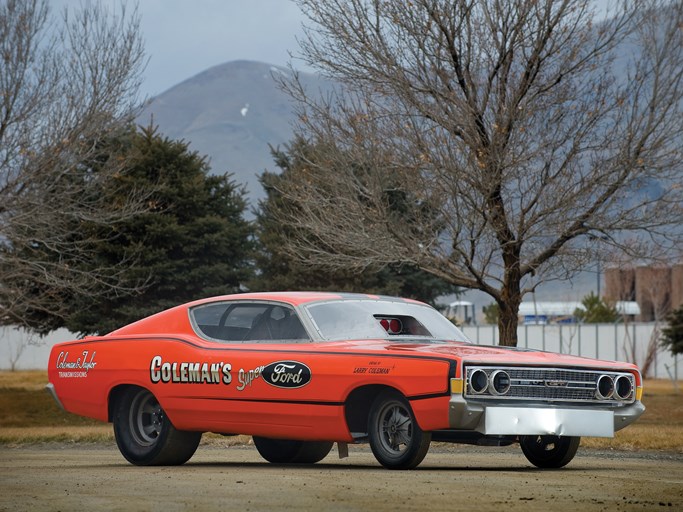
x,y
114,395
357,407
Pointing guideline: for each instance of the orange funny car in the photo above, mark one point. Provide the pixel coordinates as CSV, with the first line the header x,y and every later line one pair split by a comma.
x,y
299,371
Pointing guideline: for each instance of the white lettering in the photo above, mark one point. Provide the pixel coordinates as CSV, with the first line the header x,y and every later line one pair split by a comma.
x,y
175,372
227,377
193,374
281,376
245,378
83,363
154,372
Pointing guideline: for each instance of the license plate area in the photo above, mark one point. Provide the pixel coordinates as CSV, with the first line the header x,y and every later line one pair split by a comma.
x,y
548,421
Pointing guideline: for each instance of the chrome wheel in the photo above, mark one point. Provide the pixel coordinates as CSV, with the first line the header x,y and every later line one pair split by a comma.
x,y
146,418
396,439
144,434
396,428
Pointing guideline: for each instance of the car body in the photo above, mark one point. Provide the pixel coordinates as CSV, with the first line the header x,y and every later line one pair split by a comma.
x,y
299,371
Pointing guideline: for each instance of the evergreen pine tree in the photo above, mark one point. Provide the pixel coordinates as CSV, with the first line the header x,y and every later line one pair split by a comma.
x,y
193,242
596,311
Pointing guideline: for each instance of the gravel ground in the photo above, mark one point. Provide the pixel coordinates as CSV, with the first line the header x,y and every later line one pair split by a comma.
x,y
452,477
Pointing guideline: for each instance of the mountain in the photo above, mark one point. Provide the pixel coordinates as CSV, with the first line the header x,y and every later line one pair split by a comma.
x,y
231,113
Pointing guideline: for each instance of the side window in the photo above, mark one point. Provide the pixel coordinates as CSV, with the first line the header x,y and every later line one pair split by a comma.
x,y
206,319
248,322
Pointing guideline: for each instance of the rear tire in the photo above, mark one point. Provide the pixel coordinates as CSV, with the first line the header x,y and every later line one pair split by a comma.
x,y
144,434
549,452
284,451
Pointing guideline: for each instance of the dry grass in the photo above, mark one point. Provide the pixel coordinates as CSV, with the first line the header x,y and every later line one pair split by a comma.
x,y
25,404
29,415
659,428
32,380
12,436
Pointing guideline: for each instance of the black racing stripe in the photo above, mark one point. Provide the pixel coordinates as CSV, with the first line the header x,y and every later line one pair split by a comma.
x,y
451,362
272,401
427,397
305,402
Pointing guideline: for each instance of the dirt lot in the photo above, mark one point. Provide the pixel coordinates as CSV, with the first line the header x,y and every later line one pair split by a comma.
x,y
81,477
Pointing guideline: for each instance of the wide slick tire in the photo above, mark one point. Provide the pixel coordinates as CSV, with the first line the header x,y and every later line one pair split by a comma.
x,y
144,434
549,452
284,451
396,439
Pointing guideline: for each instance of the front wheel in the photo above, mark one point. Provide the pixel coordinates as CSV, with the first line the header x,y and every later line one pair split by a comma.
x,y
284,451
144,434
396,439
548,452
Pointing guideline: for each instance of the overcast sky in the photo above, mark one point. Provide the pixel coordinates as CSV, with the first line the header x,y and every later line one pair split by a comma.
x,y
186,37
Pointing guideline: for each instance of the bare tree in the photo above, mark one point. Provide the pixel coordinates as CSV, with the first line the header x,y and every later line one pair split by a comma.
x,y
66,83
516,131
655,294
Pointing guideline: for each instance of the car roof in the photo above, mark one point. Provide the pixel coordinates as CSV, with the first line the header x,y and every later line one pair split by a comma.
x,y
298,298
176,320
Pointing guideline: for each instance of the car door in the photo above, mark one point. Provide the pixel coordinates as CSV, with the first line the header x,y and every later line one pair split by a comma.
x,y
258,341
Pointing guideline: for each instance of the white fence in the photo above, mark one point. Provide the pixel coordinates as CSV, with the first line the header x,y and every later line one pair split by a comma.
x,y
617,342
23,351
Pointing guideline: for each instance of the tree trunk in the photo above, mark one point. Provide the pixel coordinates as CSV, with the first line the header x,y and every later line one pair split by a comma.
x,y
508,306
507,324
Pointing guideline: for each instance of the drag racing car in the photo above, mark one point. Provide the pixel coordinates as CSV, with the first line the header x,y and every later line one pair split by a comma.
x,y
300,371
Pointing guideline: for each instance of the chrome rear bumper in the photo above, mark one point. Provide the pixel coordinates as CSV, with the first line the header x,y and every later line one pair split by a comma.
x,y
50,388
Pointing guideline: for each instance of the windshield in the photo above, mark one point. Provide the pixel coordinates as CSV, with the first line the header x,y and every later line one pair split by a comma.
x,y
380,319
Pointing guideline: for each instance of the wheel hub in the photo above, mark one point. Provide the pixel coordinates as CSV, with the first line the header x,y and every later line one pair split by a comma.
x,y
146,419
396,428
157,419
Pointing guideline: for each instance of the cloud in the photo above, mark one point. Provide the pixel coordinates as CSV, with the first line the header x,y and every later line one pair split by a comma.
x,y
185,37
